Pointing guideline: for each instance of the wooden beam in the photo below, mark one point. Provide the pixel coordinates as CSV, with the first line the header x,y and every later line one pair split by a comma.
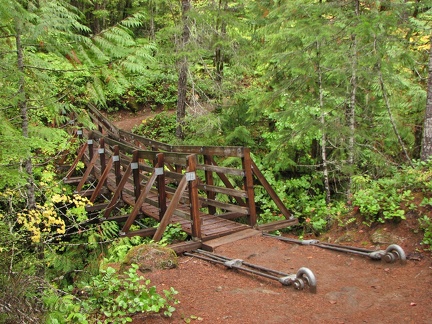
x,y
277,225
231,207
273,195
117,192
186,246
208,187
170,210
138,204
76,161
162,197
210,245
102,180
87,172
248,183
193,197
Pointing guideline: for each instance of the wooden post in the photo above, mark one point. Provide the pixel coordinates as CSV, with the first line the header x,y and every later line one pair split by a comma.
x,y
136,174
248,184
193,196
90,147
116,160
209,181
160,164
101,152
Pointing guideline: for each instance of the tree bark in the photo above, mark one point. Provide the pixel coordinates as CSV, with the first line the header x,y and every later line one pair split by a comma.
x,y
183,72
427,125
352,105
220,34
323,130
22,104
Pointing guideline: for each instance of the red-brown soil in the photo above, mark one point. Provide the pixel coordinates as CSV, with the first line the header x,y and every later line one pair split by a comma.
x,y
350,288
127,120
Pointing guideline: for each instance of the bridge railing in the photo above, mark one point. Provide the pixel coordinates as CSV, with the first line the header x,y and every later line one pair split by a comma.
x,y
234,182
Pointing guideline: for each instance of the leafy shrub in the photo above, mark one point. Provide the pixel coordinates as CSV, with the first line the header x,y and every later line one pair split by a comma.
x,y
112,298
161,127
379,200
425,223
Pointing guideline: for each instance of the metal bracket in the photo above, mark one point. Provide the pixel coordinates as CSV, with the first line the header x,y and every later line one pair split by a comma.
x,y
233,263
377,255
159,171
190,176
287,280
309,242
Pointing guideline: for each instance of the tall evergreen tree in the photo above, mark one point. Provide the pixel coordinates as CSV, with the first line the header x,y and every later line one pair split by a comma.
x,y
183,69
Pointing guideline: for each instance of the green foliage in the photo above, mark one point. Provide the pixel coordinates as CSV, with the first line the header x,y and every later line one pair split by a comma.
x,y
425,223
241,136
160,127
113,298
173,233
379,200
119,248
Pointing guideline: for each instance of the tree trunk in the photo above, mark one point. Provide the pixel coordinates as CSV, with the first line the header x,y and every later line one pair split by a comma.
x,y
152,12
220,34
183,72
323,130
427,126
352,105
22,104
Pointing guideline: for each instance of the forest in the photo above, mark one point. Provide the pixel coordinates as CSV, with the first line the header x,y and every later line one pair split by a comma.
x,y
333,98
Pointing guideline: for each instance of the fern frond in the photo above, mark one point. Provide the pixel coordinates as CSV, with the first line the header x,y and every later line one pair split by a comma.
x,y
119,36
134,21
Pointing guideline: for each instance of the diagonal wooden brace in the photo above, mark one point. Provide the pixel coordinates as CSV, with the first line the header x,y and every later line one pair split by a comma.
x,y
117,192
138,204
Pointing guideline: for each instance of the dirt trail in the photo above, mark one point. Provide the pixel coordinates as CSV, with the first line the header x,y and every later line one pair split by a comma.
x,y
351,288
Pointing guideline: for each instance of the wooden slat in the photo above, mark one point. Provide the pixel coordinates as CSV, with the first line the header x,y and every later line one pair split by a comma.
x,y
212,244
273,226
185,246
97,207
72,180
219,169
230,207
223,190
141,232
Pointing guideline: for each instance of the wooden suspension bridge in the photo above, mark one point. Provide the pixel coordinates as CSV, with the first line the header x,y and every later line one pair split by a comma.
x,y
187,185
